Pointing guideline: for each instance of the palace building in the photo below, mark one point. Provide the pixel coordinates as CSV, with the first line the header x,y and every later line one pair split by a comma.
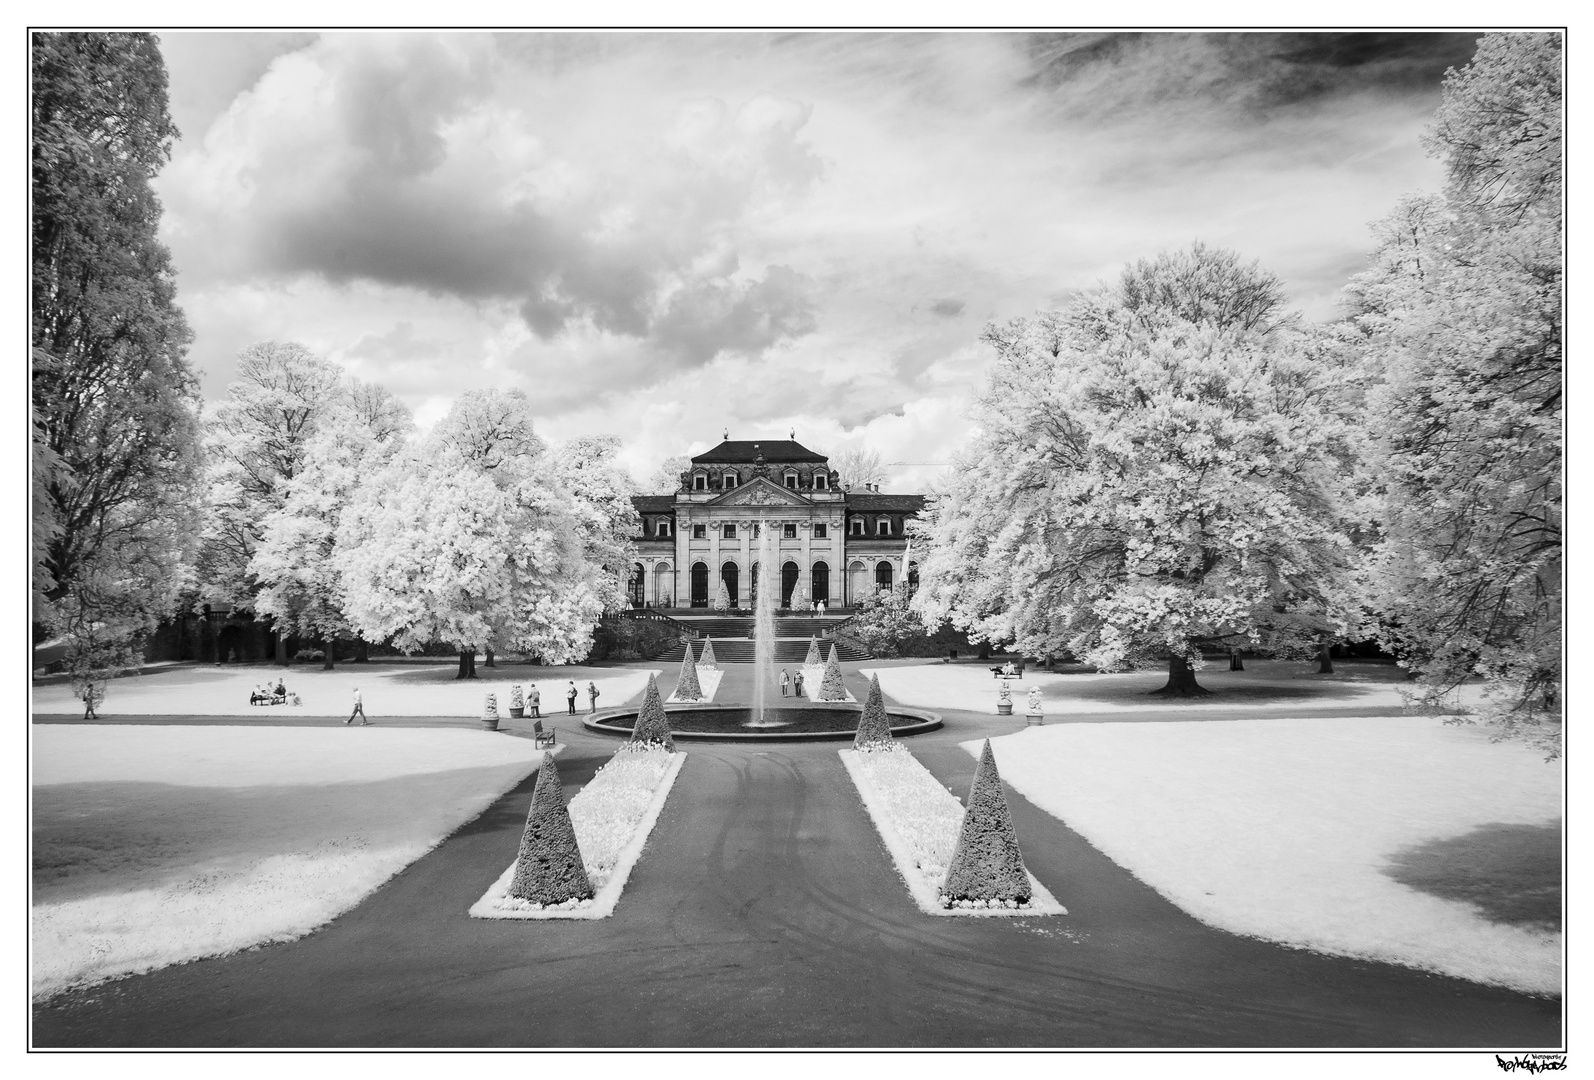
x,y
834,545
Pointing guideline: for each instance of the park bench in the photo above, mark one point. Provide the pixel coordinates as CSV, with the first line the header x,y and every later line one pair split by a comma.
x,y
999,672
540,738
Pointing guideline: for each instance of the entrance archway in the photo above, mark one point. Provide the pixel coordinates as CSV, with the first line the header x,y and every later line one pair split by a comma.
x,y
699,585
855,581
788,583
731,576
822,583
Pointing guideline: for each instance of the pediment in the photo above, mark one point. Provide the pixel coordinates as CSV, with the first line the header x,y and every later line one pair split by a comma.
x,y
760,492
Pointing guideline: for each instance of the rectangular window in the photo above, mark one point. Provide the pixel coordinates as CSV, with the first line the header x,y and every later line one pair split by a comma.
x,y
700,532
789,532
819,532
884,527
857,526
664,527
791,480
730,532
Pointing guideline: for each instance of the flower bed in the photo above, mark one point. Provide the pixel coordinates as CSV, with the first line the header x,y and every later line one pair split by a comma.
x,y
708,680
918,821
612,817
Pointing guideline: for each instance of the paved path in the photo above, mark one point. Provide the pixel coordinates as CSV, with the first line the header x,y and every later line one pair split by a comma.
x,y
765,912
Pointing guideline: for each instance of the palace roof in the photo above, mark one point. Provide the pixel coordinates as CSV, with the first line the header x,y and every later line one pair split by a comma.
x,y
653,504
775,451
870,502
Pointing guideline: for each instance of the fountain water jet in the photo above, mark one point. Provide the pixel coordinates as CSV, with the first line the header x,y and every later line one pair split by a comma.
x,y
764,626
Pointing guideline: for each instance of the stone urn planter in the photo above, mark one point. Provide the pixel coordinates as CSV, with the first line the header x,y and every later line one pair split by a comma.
x,y
517,703
490,713
1004,708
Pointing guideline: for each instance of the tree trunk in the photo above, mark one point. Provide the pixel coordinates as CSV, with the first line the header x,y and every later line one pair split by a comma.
x,y
1235,663
282,649
489,660
326,652
467,664
1181,680
1325,661
362,653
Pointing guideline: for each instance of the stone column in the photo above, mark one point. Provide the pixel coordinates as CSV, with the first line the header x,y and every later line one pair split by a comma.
x,y
744,577
713,562
805,568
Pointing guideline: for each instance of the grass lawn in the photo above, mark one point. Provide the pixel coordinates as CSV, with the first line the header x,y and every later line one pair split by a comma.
x,y
1400,839
388,689
155,845
1263,685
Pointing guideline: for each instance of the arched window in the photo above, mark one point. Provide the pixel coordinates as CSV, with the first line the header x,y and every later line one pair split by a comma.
x,y
662,585
638,581
788,583
730,574
700,481
699,585
913,578
821,583
882,575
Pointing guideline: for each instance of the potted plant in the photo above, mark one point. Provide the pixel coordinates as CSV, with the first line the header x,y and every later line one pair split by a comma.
x,y
517,702
1004,700
490,713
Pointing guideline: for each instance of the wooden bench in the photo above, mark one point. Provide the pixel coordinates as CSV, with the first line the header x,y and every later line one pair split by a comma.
x,y
540,739
1001,672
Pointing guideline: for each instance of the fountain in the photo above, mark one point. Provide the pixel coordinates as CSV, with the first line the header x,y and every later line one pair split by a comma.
x,y
764,628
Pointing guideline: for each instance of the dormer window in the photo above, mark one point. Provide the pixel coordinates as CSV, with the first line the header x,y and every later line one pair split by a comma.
x,y
663,528
857,526
791,480
821,482
728,481
699,481
883,527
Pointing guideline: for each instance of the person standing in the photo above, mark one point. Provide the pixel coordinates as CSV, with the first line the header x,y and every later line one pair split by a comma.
x,y
797,683
592,696
785,683
535,701
570,696
359,709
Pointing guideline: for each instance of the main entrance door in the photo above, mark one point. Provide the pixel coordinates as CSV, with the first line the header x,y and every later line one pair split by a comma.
x,y
699,585
732,578
822,583
788,583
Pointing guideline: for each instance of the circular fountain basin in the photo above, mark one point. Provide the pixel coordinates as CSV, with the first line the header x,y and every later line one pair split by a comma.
x,y
734,722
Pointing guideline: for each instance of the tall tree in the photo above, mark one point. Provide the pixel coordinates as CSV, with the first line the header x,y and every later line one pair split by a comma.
x,y
600,498
113,399
256,442
1461,317
1159,470
468,539
300,587
859,467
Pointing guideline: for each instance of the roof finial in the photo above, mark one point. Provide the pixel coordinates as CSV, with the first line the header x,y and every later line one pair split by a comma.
x,y
793,434
727,433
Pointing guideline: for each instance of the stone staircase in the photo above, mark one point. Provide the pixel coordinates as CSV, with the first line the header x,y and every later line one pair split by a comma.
x,y
788,651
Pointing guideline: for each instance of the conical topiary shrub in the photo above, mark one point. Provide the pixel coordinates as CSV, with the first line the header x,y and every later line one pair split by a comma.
x,y
707,659
986,864
549,869
813,658
874,728
830,687
687,688
652,724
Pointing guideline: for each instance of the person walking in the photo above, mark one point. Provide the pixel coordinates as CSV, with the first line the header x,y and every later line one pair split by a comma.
x,y
797,683
535,701
785,683
592,696
570,695
359,709
91,696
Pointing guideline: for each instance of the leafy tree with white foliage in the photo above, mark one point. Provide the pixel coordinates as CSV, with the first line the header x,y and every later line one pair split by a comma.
x,y
600,497
1160,468
467,539
300,587
1461,316
256,442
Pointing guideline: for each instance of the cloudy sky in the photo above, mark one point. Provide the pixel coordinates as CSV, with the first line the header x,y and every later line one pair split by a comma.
x,y
664,236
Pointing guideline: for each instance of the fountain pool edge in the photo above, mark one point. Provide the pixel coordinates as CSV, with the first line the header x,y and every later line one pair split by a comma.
x,y
919,722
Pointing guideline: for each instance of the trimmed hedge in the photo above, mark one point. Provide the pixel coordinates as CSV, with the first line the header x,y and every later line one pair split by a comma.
x,y
549,869
830,687
986,864
874,727
652,722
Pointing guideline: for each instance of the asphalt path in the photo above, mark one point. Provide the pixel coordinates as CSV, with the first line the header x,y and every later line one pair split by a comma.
x,y
765,913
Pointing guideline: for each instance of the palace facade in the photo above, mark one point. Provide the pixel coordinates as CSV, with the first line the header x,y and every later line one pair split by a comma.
x,y
833,545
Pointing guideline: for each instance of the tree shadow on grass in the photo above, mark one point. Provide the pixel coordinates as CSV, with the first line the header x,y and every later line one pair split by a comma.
x,y
1512,872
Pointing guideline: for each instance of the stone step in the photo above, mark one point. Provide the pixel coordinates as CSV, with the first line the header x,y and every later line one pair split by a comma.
x,y
788,651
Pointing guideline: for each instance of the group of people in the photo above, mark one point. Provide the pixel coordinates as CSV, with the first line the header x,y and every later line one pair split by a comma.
x,y
791,683
266,694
